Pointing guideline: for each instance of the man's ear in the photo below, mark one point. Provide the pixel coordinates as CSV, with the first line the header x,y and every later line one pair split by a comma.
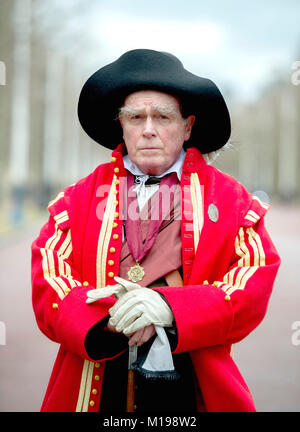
x,y
189,122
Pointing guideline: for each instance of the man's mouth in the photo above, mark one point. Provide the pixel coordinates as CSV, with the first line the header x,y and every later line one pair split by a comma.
x,y
151,148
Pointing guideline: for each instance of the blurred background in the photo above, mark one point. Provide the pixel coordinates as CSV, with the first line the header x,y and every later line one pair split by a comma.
x,y
48,48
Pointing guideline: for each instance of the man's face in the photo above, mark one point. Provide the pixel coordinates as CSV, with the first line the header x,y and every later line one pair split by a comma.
x,y
154,130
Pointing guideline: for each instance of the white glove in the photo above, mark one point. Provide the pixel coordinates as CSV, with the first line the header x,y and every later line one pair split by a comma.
x,y
123,286
139,308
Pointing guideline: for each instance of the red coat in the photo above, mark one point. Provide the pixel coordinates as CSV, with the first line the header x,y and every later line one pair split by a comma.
x,y
229,265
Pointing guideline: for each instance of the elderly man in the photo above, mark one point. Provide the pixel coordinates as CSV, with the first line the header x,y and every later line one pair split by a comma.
x,y
112,269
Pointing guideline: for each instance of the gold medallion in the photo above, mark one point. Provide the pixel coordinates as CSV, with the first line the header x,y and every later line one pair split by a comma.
x,y
136,273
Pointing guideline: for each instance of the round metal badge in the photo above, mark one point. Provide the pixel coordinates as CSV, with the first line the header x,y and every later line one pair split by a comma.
x,y
213,212
136,273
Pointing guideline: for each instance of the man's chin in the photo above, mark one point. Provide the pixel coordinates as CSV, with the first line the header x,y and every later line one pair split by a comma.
x,y
152,169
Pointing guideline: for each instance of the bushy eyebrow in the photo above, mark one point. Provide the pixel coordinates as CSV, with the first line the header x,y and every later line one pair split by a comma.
x,y
167,110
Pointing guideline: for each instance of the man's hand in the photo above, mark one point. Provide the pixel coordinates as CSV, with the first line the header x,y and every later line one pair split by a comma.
x,y
123,286
110,328
141,336
138,309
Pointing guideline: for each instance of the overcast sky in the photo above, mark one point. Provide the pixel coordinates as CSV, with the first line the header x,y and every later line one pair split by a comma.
x,y
239,44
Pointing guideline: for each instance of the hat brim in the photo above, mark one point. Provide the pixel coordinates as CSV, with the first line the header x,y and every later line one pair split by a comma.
x,y
104,92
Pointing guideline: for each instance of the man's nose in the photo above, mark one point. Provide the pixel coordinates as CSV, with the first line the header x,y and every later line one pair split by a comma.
x,y
149,128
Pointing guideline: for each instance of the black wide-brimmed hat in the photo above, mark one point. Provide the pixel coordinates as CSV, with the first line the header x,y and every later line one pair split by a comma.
x,y
104,92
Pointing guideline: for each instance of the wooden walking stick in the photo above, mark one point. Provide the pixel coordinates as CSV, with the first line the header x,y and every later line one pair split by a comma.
x,y
132,356
173,279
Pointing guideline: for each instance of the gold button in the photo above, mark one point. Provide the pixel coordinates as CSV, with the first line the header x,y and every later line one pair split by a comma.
x,y
115,225
111,274
112,250
227,297
92,403
116,170
117,182
111,263
116,203
67,290
55,305
85,283
97,377
216,284
115,236
116,215
94,391
97,365
114,159
206,282
116,192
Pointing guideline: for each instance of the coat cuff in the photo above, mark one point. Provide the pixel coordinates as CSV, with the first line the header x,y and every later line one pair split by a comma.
x,y
75,318
102,344
202,313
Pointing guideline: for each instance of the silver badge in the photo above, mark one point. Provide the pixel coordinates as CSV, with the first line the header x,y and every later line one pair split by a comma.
x,y
213,212
136,273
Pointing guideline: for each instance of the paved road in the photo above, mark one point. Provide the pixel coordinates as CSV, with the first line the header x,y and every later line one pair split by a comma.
x,y
267,358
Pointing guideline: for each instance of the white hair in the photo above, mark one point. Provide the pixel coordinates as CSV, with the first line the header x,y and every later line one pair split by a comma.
x,y
212,156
